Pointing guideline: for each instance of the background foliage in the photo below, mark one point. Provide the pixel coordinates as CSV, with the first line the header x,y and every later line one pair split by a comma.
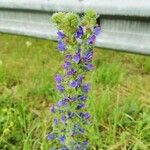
x,y
119,99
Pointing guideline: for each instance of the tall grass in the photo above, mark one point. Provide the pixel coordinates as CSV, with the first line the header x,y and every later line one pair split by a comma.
x,y
147,65
108,74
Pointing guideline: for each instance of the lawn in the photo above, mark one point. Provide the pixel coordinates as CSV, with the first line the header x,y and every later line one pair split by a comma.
x,y
119,100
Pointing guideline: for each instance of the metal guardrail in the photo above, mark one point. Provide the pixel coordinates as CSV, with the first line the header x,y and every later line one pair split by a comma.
x,y
125,24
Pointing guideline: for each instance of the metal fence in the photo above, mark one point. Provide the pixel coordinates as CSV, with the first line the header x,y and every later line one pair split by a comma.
x,y
125,24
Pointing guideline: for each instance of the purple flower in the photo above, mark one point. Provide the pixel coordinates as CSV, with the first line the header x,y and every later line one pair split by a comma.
x,y
88,67
62,139
64,148
55,121
82,97
60,35
91,39
81,114
61,46
79,32
73,84
61,103
70,114
58,78
79,106
60,88
50,136
81,130
87,56
77,57
68,57
96,30
85,88
63,119
52,109
85,143
70,72
74,99
79,79
86,115
66,65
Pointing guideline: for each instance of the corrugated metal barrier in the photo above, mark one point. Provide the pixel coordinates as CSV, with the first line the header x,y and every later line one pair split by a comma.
x,y
125,24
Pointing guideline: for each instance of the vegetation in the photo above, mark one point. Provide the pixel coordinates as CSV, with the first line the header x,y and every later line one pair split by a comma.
x,y
119,100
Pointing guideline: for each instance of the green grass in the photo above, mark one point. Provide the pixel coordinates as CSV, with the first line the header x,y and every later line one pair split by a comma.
x,y
147,65
108,74
119,101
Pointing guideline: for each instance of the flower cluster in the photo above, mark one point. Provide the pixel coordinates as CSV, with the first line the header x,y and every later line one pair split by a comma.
x,y
76,39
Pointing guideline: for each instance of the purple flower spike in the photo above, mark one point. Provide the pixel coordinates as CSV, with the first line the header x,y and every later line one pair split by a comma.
x,y
79,32
61,46
58,78
50,136
79,106
62,139
89,67
85,88
91,39
60,88
96,30
66,65
60,35
73,84
70,72
69,112
76,58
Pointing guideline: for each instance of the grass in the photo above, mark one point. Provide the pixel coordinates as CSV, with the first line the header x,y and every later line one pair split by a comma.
x,y
108,74
119,101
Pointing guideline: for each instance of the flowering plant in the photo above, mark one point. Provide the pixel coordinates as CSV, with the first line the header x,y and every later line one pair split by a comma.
x,y
76,39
